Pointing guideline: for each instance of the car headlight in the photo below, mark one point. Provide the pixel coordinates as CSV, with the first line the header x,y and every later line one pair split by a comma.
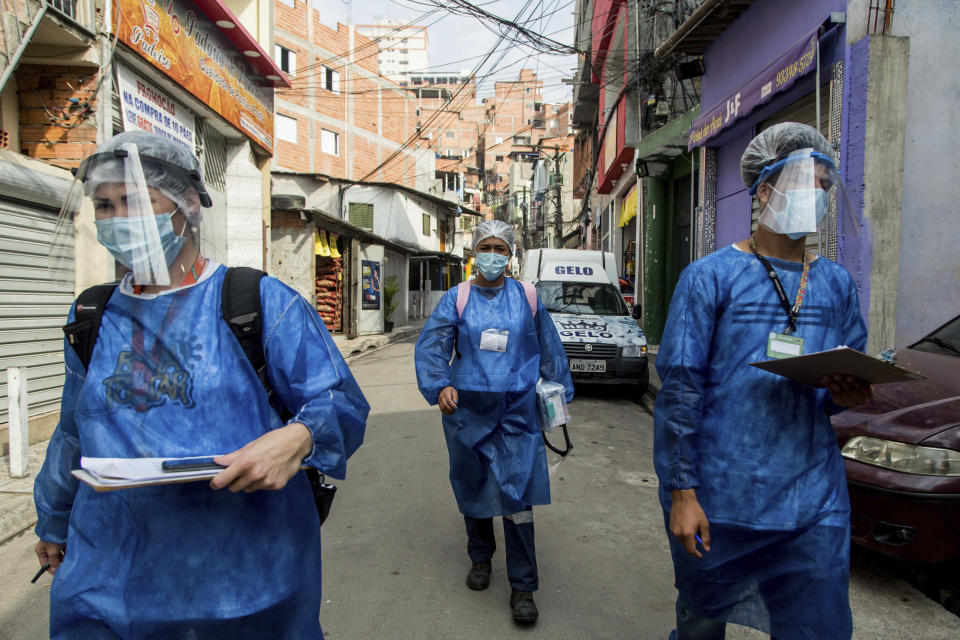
x,y
908,458
634,351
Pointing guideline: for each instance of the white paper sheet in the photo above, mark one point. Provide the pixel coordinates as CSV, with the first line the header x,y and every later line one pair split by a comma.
x,y
120,471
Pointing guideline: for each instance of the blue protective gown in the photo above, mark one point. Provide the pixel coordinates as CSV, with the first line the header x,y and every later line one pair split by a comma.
x,y
498,462
168,378
757,447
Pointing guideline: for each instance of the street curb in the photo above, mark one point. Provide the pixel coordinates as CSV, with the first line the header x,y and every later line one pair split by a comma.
x,y
17,518
361,346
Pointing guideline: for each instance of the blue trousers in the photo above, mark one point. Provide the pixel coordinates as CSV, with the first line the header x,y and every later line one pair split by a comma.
x,y
693,626
518,539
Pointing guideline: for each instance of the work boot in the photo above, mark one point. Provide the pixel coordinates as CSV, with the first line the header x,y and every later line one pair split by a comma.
x,y
479,577
523,607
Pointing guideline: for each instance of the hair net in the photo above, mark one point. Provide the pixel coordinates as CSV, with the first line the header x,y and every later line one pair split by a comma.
x,y
168,166
493,229
776,143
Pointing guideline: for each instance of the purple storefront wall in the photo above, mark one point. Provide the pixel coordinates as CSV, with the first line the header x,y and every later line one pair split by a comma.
x,y
772,27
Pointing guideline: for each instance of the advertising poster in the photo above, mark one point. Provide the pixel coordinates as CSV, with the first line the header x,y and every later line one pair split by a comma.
x,y
176,38
370,285
148,108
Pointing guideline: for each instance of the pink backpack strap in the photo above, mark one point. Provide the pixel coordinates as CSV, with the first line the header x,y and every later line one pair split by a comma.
x,y
531,293
463,294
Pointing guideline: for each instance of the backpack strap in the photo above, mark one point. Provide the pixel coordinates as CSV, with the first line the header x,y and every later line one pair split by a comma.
x,y
463,294
87,314
531,293
240,302
243,312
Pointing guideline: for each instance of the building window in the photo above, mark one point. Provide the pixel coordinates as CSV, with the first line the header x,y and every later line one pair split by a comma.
x,y
330,142
499,158
498,140
286,128
361,214
285,59
450,134
330,79
527,90
213,151
426,224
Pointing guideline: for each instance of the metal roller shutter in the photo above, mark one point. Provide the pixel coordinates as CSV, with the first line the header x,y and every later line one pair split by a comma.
x,y
33,306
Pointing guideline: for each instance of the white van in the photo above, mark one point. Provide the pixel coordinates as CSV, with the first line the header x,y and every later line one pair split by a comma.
x,y
602,339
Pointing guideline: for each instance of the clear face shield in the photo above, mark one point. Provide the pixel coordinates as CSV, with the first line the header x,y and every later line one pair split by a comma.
x,y
144,213
795,193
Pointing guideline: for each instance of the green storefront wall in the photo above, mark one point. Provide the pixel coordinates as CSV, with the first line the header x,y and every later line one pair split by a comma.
x,y
666,150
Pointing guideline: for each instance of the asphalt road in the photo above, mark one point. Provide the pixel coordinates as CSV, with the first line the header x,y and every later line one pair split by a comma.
x,y
394,545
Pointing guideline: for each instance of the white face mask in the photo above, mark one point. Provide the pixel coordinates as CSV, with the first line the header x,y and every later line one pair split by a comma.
x,y
795,212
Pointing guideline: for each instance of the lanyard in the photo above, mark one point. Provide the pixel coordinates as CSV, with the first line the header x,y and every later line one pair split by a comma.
x,y
792,311
191,278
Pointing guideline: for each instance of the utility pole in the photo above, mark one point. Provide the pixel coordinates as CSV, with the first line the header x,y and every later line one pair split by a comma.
x,y
558,177
541,207
523,208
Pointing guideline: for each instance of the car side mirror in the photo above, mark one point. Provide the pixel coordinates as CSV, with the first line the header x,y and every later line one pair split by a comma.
x,y
637,312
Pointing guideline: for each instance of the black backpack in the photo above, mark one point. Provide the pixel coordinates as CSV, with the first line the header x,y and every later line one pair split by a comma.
x,y
242,309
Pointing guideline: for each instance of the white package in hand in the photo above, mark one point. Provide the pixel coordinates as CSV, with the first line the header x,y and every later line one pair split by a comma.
x,y
552,405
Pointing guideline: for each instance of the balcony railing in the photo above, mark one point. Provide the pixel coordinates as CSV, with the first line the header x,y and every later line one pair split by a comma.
x,y
20,20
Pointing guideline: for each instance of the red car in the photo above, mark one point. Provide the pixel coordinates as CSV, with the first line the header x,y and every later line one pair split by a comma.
x,y
902,455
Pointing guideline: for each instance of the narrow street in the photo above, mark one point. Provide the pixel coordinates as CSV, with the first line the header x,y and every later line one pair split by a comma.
x,y
394,545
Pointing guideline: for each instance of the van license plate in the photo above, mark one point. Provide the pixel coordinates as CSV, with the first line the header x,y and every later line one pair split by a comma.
x,y
588,366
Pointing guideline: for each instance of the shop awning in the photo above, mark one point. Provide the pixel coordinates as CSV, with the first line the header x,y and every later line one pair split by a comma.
x,y
704,25
629,209
799,60
669,141
221,15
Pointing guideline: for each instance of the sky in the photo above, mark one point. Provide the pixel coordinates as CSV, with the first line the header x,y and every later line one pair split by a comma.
x,y
460,42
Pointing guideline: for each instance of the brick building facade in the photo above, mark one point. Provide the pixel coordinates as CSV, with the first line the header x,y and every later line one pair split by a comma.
x,y
340,117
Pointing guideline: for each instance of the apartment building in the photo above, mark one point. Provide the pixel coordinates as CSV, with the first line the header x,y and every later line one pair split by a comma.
x,y
403,46
357,198
340,117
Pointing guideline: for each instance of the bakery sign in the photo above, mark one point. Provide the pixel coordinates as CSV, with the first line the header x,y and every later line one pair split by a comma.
x,y
179,41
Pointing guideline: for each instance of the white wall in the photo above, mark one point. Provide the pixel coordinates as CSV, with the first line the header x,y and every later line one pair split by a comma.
x,y
398,217
243,220
929,282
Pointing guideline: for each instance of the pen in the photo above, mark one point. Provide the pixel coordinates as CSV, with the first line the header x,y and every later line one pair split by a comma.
x,y
697,536
43,570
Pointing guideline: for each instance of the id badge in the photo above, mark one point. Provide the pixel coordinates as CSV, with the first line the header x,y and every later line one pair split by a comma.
x,y
780,345
494,340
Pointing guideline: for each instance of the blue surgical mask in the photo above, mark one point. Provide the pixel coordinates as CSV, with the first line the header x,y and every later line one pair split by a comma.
x,y
123,237
491,265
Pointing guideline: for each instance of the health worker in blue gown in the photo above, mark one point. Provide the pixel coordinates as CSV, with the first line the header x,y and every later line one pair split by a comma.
x,y
237,556
501,341
751,479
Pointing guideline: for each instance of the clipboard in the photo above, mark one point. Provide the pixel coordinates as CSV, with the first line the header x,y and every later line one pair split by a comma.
x,y
810,368
113,484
